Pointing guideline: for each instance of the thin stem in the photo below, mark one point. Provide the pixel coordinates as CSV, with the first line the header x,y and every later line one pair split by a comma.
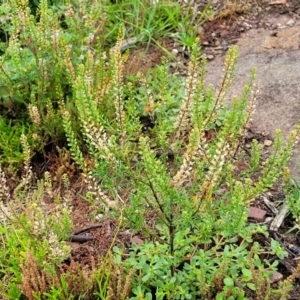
x,y
157,200
171,243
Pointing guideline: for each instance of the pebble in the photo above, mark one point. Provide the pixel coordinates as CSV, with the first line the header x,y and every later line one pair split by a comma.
x,y
224,45
99,217
268,143
274,26
295,249
200,30
210,57
224,33
136,240
276,277
247,25
290,22
173,65
175,52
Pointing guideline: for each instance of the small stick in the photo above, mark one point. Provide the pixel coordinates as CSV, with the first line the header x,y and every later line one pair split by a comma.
x,y
84,229
276,223
81,238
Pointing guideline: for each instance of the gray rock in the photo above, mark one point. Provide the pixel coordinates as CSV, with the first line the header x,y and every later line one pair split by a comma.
x,y
290,22
277,60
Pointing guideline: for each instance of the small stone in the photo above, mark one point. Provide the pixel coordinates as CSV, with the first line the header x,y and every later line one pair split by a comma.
x,y
247,25
290,22
295,249
225,45
224,33
136,240
200,30
175,52
99,217
205,43
268,143
210,57
173,65
257,214
275,277
220,192
273,27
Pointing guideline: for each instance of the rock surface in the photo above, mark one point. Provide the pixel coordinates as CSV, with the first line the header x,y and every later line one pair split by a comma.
x,y
277,60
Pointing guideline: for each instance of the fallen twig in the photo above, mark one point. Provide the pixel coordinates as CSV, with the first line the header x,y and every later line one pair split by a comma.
x,y
87,228
276,223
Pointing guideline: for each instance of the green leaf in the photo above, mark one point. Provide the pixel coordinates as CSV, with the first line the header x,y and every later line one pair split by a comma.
x,y
146,277
251,286
148,296
219,297
159,283
228,282
247,273
173,280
